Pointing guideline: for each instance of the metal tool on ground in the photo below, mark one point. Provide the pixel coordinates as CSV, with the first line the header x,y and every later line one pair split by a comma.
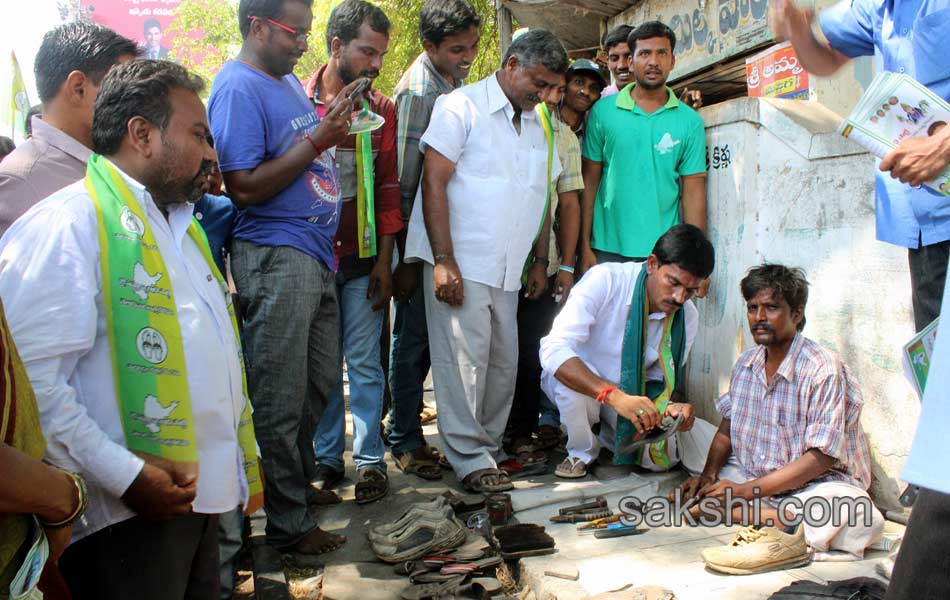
x,y
598,503
583,517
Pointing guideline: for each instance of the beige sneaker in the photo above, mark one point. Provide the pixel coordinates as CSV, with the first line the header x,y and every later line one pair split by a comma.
x,y
759,550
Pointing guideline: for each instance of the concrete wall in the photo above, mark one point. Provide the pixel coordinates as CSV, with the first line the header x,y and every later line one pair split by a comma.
x,y
783,187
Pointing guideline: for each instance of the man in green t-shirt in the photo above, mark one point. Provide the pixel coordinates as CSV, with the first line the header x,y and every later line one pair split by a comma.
x,y
644,157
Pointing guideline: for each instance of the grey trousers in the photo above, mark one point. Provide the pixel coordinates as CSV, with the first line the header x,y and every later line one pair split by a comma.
x,y
292,347
474,350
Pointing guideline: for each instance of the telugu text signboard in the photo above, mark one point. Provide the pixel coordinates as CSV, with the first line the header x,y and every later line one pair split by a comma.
x,y
776,73
707,31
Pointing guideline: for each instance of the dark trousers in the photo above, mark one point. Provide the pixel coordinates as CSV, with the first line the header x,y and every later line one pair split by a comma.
x,y
928,273
139,559
922,570
535,318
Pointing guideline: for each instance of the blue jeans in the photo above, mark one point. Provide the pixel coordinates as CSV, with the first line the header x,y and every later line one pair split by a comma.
x,y
408,366
291,332
360,331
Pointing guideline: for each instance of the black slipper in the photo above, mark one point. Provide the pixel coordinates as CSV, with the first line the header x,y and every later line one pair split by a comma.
x,y
327,477
655,435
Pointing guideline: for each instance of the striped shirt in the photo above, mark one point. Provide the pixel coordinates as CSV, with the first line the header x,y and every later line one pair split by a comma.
x,y
415,95
813,401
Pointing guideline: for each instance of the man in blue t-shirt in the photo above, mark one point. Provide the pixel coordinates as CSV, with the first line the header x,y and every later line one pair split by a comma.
x,y
276,158
904,37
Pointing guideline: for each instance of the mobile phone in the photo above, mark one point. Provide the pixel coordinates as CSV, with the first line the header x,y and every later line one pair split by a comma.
x,y
359,90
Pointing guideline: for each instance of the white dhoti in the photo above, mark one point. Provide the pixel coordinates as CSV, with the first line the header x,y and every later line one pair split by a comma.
x,y
579,413
837,537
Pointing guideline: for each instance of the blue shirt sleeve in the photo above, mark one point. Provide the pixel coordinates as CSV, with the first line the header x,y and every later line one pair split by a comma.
x,y
239,127
849,27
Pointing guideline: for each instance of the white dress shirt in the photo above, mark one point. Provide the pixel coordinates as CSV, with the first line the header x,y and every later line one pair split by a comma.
x,y
592,323
497,193
50,283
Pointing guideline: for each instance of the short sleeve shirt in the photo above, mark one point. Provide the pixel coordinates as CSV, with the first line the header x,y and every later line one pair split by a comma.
x,y
643,157
904,36
256,118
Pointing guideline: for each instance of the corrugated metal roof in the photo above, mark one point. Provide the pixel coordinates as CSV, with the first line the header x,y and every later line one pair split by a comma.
x,y
576,22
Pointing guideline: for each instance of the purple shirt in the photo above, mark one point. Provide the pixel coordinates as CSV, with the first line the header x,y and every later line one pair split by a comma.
x,y
43,164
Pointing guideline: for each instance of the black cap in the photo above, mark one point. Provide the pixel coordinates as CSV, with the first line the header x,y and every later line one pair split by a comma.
x,y
585,65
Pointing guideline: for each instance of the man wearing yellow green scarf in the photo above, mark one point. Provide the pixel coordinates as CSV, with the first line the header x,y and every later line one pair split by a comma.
x,y
616,353
125,327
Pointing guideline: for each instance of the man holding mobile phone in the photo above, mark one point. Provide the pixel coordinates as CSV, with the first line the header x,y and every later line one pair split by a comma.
x,y
357,40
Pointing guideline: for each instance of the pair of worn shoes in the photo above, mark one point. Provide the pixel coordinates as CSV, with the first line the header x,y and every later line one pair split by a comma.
x,y
759,549
424,528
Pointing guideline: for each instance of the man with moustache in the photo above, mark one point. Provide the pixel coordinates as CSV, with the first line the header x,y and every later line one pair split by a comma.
x,y
626,382
481,213
136,364
619,61
585,81
357,40
536,315
644,159
791,426
450,31
274,154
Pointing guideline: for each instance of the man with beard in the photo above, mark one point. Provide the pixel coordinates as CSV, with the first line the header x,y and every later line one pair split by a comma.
x,y
585,81
136,364
481,213
644,159
273,151
357,41
450,32
626,382
791,428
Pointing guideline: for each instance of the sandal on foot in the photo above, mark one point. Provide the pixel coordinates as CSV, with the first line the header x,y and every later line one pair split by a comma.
x,y
477,481
548,437
317,497
326,477
511,466
418,462
371,485
571,468
438,457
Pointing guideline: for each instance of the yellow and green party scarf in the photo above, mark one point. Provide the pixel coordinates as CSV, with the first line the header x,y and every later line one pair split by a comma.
x,y
145,336
365,193
633,370
544,115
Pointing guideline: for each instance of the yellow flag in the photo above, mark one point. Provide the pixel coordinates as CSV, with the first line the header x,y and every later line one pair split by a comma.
x,y
19,102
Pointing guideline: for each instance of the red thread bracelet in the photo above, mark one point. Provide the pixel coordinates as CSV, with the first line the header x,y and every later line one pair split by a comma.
x,y
602,396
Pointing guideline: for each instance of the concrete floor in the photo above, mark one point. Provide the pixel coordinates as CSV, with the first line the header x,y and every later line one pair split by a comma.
x,y
663,556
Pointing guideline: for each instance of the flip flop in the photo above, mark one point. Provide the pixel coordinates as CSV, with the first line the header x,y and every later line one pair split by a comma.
x,y
654,436
471,567
421,591
410,464
371,485
474,481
